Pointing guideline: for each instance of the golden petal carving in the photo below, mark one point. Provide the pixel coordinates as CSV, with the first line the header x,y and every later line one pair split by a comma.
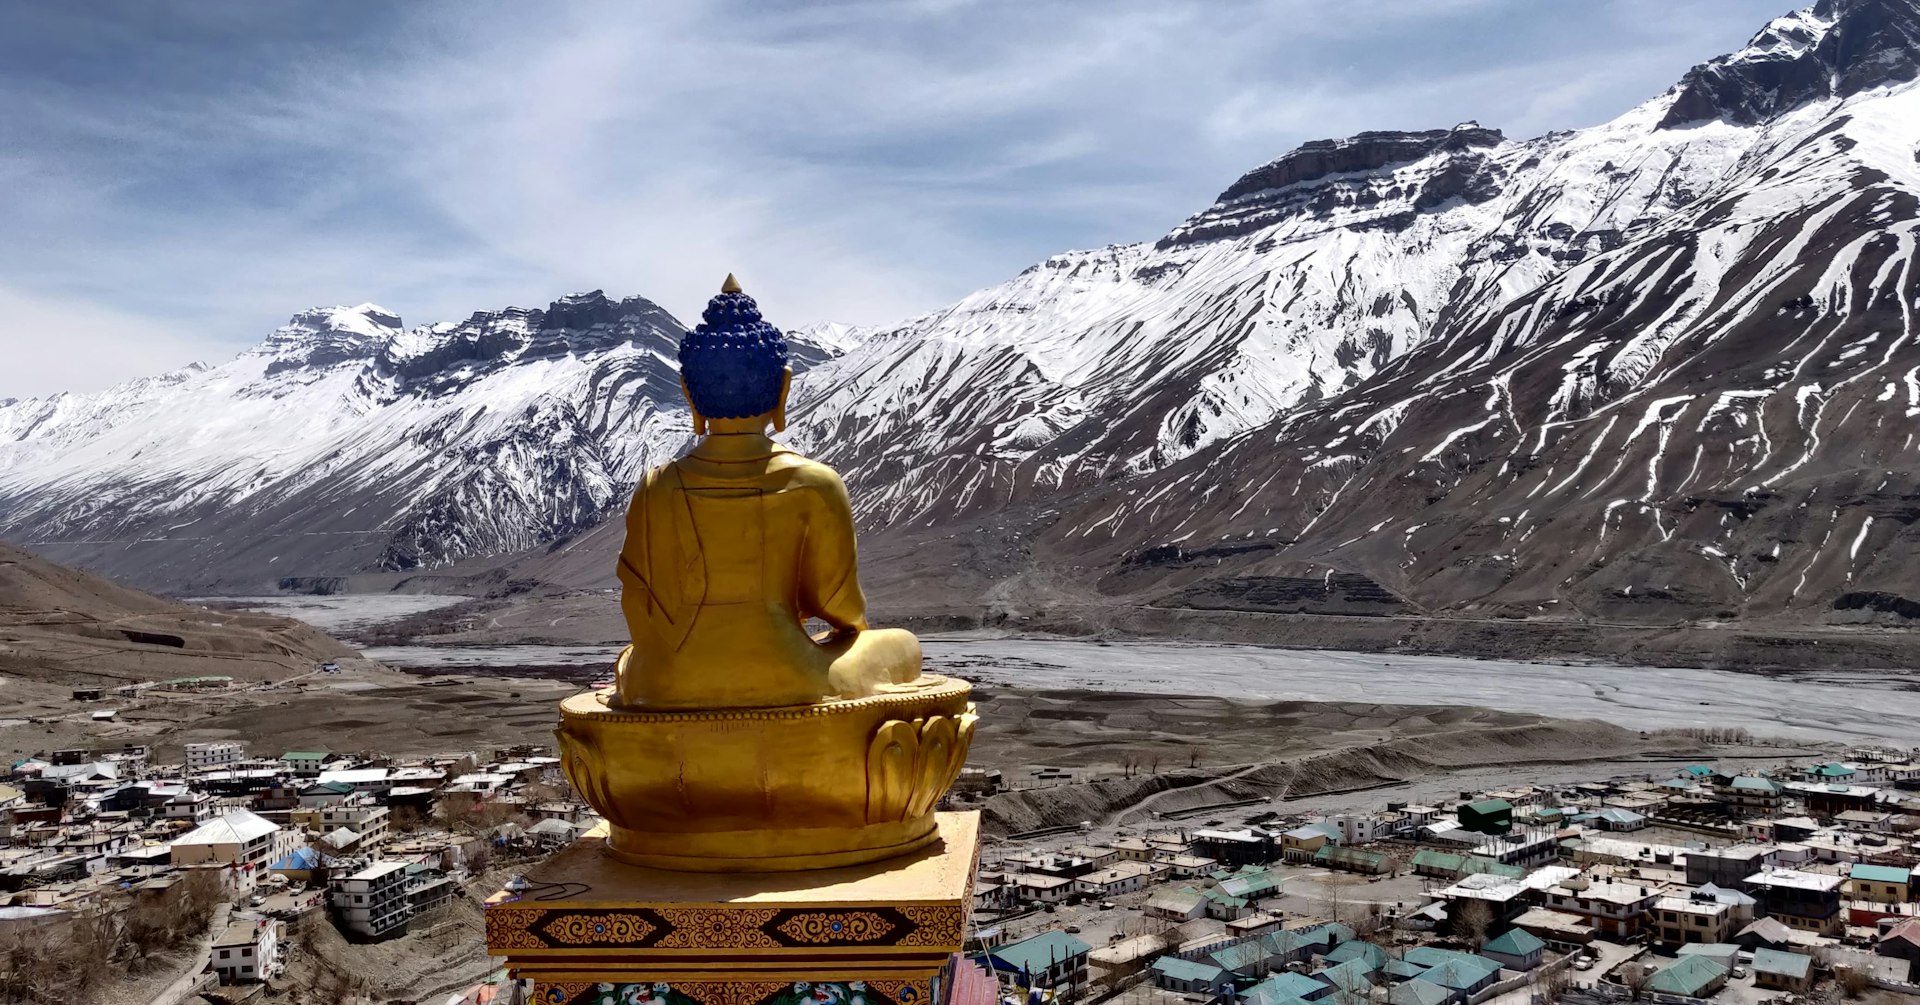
x,y
890,762
936,753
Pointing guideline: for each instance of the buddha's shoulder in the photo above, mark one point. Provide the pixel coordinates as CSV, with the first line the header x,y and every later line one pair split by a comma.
x,y
802,471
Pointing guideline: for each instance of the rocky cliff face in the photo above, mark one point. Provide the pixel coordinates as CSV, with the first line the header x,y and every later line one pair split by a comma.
x,y
1833,49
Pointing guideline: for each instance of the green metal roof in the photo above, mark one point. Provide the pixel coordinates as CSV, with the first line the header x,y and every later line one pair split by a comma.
x,y
1187,970
1041,951
1689,975
1516,942
1418,992
1774,961
1402,969
1462,973
1444,861
1880,873
1489,806
1373,956
1288,985
1241,956
1333,853
1352,975
1482,865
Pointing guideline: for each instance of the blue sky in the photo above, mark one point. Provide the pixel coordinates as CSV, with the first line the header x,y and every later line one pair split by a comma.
x,y
176,179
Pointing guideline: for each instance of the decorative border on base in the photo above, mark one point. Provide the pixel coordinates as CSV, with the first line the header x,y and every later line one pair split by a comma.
x,y
876,992
522,931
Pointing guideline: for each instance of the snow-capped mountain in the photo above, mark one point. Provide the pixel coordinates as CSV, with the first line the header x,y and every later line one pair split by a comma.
x,y
1678,377
346,443
1662,367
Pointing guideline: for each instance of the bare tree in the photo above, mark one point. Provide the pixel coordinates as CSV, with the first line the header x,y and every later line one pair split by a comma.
x,y
162,921
1471,919
1553,984
1854,981
1332,902
1634,977
59,963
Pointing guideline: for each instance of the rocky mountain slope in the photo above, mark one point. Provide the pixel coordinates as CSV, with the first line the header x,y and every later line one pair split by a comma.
x,y
1658,369
1709,414
346,443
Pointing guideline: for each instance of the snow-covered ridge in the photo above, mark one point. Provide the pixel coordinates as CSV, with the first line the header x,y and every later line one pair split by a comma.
x,y
1477,369
343,443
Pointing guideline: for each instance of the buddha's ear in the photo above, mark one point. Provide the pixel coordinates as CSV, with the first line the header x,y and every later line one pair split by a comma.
x,y
699,421
780,410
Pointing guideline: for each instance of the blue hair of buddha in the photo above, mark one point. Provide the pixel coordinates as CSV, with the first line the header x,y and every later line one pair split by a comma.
x,y
733,361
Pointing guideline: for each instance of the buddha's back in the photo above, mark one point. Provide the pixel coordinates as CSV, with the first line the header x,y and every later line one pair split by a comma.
x,y
732,548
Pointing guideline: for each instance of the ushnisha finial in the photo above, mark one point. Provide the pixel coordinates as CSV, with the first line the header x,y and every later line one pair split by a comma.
x,y
732,285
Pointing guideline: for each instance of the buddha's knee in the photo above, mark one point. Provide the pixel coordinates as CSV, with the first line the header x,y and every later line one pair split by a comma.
x,y
874,658
899,651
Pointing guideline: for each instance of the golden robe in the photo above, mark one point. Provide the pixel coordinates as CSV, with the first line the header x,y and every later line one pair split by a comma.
x,y
729,550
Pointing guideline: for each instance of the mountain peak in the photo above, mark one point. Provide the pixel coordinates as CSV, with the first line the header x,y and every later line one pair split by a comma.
x,y
1315,178
1368,151
320,337
1832,49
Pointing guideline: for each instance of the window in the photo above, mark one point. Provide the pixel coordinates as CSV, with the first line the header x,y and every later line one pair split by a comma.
x,y
225,953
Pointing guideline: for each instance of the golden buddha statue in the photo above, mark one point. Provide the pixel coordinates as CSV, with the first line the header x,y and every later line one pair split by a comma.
x,y
733,740
731,548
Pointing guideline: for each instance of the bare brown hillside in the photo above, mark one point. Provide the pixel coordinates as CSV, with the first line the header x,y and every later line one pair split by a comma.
x,y
62,627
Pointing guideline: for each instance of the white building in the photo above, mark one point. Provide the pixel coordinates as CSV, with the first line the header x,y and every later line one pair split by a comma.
x,y
373,901
246,950
238,837
1124,877
368,821
217,755
1045,889
197,807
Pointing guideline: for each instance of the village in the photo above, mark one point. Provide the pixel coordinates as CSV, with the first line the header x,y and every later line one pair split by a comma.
x,y
1790,884
111,853
226,873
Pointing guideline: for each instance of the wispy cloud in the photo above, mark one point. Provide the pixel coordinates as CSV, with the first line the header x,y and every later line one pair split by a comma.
x,y
205,170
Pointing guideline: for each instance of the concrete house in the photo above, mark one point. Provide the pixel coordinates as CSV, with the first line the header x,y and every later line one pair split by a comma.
x,y
1177,905
1516,949
1302,843
1902,942
1882,884
1689,976
237,837
1487,816
1691,920
373,902
246,950
1614,909
1782,971
1171,973
1808,901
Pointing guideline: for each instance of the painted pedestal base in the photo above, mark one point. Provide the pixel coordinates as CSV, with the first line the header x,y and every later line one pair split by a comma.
x,y
590,930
